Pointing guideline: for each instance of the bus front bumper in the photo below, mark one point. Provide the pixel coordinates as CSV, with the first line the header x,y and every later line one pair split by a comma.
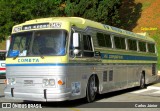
x,y
37,95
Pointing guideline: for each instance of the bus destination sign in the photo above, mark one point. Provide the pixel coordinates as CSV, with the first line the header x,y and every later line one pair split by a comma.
x,y
36,26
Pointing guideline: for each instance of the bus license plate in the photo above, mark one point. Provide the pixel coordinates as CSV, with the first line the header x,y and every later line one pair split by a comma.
x,y
28,82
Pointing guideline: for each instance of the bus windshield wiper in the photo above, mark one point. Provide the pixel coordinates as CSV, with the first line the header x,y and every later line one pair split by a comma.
x,y
42,56
15,57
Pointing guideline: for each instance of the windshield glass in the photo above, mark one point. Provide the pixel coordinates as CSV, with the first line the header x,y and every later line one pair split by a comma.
x,y
38,43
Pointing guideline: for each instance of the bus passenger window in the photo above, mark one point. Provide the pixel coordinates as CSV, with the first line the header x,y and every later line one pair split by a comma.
x,y
101,40
142,46
119,42
104,40
132,45
151,48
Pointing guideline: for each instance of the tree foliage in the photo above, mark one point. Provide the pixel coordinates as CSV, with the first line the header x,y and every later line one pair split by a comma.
x,y
13,12
104,11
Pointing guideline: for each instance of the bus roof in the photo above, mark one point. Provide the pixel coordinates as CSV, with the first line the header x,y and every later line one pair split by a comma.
x,y
85,23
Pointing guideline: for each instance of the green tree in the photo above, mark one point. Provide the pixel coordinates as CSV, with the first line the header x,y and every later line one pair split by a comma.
x,y
105,11
13,12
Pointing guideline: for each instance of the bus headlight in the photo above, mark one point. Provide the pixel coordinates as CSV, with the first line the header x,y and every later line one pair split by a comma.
x,y
51,82
45,82
11,81
48,82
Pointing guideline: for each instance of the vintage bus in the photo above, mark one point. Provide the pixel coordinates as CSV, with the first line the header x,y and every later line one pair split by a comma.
x,y
2,63
67,58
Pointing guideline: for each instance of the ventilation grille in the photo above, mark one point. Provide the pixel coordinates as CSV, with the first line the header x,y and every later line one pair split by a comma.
x,y
105,76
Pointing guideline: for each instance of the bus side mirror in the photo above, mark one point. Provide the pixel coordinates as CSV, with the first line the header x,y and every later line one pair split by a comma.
x,y
75,40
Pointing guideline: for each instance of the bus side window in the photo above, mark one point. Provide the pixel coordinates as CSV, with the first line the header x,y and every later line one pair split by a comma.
x,y
87,46
132,44
119,42
142,46
151,47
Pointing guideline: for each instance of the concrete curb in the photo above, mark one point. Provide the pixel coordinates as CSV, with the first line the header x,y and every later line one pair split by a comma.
x,y
159,73
153,87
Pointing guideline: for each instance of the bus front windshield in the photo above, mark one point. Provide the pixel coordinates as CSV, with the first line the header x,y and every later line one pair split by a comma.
x,y
38,43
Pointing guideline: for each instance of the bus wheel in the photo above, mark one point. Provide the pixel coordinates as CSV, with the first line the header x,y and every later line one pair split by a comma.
x,y
142,81
91,89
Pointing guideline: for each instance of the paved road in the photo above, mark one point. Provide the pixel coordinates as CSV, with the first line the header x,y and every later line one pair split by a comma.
x,y
108,101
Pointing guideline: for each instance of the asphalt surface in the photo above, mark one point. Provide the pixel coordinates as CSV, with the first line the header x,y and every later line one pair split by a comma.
x,y
123,100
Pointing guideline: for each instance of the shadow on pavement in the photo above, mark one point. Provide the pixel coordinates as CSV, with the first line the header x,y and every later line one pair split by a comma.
x,y
2,96
80,102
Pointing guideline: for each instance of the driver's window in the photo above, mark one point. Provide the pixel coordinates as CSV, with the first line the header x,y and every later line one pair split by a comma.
x,y
85,48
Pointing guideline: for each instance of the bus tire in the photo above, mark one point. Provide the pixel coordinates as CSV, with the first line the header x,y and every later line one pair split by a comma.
x,y
142,81
91,89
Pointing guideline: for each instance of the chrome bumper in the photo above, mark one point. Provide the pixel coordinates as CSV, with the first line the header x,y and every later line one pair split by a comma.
x,y
37,95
